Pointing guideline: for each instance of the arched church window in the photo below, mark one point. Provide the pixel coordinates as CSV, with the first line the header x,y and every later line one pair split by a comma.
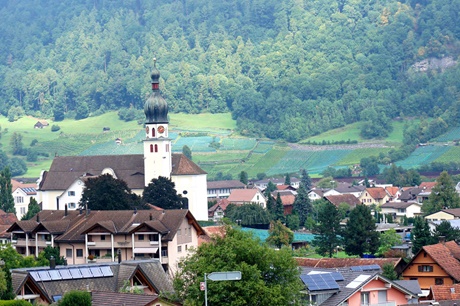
x,y
156,148
151,148
153,132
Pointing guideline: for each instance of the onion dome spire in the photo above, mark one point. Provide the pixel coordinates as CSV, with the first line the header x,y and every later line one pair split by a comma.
x,y
155,108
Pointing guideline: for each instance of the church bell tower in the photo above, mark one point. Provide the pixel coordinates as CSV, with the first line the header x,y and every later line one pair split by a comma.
x,y
157,145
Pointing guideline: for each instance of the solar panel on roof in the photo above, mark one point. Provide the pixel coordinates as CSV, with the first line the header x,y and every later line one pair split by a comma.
x,y
86,273
96,271
55,275
44,275
365,268
65,274
35,276
317,282
337,276
106,271
75,273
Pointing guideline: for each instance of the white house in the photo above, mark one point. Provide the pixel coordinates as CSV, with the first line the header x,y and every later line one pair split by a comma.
x,y
401,209
22,193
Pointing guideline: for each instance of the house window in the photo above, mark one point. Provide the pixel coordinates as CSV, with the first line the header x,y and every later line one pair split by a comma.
x,y
68,253
102,237
71,193
140,237
153,132
153,237
19,199
364,298
72,205
179,249
79,252
425,268
186,247
439,281
23,210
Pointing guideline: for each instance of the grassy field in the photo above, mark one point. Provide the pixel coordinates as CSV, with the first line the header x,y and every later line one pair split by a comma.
x,y
265,156
352,132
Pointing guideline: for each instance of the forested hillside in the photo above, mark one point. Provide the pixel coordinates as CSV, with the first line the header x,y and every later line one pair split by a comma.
x,y
284,68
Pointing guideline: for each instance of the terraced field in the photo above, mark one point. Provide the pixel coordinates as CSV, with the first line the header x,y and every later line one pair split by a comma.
x,y
423,156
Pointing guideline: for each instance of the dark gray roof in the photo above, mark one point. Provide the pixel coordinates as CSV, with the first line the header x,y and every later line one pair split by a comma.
x,y
130,168
349,188
410,194
411,285
117,221
152,269
101,298
341,295
225,184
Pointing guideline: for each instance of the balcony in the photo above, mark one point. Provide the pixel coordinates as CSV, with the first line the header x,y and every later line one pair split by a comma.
x,y
22,242
100,244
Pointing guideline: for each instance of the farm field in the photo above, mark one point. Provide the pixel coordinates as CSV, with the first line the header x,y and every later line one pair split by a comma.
x,y
423,156
214,144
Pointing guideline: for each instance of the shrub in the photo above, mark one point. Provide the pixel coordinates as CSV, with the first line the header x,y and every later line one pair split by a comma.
x,y
15,303
55,128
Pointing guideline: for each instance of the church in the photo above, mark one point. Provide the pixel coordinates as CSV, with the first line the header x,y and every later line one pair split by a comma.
x,y
62,186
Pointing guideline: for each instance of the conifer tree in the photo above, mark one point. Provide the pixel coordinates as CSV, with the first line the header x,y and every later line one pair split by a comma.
x,y
279,209
421,235
6,191
360,235
302,205
287,179
328,230
305,179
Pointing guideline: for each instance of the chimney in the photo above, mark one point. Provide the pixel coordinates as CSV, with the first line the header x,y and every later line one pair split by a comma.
x,y
135,210
65,210
52,263
151,217
38,218
57,203
442,239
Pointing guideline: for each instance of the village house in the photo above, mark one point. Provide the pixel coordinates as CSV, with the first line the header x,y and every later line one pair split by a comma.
x,y
47,285
22,193
247,196
84,236
347,188
222,189
287,197
374,196
348,199
217,211
6,220
64,183
357,285
436,264
399,210
262,184
444,214
41,124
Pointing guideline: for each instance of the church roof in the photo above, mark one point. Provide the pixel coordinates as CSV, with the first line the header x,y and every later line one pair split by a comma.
x,y
130,168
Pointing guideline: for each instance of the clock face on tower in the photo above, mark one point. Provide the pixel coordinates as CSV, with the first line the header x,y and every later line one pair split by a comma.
x,y
161,129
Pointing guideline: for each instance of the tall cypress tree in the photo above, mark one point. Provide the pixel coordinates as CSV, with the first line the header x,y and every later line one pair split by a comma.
x,y
305,179
421,235
6,191
302,205
279,209
328,230
360,235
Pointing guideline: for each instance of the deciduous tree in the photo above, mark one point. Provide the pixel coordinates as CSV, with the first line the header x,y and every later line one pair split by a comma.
x,y
108,193
268,276
279,235
161,192
443,195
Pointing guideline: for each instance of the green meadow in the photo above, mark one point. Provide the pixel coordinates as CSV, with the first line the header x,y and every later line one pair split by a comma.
x,y
216,146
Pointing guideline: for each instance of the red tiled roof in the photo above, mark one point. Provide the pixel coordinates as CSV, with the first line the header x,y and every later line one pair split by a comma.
x,y
223,203
442,293
444,255
376,192
343,198
392,191
427,186
242,195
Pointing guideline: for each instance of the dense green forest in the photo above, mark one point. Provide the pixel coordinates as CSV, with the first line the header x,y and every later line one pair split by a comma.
x,y
284,68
